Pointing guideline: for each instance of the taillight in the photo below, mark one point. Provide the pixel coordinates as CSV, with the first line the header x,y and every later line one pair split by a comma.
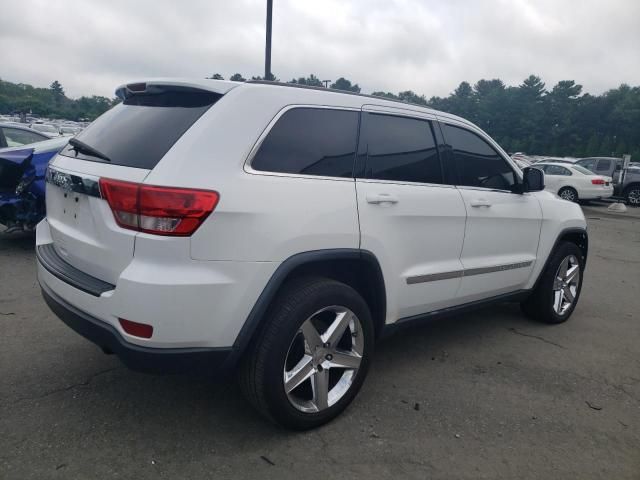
x,y
159,210
597,181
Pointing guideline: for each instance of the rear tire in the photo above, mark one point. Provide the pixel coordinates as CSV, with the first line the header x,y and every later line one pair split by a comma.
x,y
558,290
302,339
632,195
568,193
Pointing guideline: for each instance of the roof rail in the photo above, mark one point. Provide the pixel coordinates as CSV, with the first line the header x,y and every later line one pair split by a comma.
x,y
332,90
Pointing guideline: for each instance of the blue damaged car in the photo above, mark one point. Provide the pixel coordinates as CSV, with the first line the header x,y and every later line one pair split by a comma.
x,y
22,183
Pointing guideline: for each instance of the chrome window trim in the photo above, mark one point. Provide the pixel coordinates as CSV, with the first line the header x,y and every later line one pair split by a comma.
x,y
401,182
434,277
399,112
484,189
256,146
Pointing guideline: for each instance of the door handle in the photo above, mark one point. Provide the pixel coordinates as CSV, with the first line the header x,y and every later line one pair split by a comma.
x,y
378,198
480,202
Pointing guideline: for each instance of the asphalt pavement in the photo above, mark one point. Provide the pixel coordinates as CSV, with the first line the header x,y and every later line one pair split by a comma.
x,y
488,394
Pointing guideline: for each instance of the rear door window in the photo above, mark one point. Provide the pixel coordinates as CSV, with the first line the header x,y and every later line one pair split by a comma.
x,y
141,130
557,170
310,141
400,149
478,164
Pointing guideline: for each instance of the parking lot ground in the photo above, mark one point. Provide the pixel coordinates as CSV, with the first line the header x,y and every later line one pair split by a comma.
x,y
484,395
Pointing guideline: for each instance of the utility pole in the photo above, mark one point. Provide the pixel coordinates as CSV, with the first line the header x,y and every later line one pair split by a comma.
x,y
267,51
326,83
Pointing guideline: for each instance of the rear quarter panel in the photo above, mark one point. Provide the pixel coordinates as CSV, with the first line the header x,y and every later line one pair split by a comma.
x,y
260,217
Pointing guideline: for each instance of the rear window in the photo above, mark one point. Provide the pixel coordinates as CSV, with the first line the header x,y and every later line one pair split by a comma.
x,y
139,132
582,170
310,141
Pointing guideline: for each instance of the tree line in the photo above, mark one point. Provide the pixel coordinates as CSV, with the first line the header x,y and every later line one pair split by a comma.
x,y
529,117
16,98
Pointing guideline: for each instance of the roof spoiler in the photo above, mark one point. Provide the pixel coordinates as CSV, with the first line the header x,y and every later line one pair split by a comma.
x,y
131,89
157,86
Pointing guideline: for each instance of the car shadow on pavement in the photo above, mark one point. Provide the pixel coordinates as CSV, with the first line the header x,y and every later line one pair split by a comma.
x,y
214,408
17,241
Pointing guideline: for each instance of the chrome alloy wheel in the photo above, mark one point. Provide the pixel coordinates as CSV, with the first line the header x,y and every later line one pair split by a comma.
x,y
568,194
633,197
323,359
565,285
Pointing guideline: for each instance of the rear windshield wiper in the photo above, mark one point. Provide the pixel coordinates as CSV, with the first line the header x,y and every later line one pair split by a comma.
x,y
81,147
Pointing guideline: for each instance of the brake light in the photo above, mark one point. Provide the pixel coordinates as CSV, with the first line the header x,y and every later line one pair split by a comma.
x,y
597,181
159,210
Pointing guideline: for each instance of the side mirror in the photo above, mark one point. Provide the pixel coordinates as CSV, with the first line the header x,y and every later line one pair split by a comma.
x,y
618,167
533,179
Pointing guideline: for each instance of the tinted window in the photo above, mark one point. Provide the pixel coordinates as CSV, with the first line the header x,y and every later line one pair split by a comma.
x,y
556,170
401,149
139,131
604,165
310,141
477,163
16,137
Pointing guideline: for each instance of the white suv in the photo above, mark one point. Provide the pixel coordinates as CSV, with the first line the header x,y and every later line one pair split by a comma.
x,y
283,230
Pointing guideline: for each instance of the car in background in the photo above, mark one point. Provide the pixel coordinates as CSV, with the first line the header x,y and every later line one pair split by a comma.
x,y
22,184
49,130
521,162
15,135
564,160
625,184
68,130
574,183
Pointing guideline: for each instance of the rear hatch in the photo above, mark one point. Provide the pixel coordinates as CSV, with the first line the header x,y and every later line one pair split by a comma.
x,y
124,144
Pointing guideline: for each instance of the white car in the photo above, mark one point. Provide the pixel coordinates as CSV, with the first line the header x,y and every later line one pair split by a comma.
x,y
574,182
281,230
47,129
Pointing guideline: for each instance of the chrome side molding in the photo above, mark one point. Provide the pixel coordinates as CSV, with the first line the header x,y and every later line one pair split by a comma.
x,y
434,277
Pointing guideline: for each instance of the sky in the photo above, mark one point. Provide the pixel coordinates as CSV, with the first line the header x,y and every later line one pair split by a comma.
x,y
428,46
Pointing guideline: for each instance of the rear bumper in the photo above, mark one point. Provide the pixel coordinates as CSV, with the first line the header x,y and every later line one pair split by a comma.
x,y
136,357
190,304
596,193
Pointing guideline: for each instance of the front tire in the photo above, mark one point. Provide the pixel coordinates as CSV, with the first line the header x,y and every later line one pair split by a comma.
x,y
312,355
558,290
568,193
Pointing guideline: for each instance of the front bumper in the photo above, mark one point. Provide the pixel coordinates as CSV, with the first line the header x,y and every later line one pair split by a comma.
x,y
136,357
